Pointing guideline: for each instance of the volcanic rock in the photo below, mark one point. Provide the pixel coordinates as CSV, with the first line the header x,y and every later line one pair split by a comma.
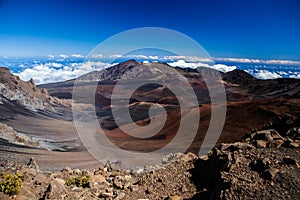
x,y
269,174
26,94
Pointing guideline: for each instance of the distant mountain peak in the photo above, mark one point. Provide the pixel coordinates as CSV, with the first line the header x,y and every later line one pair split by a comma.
x,y
115,72
238,76
131,61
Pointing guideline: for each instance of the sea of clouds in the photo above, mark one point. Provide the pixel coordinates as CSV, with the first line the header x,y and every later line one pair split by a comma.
x,y
65,67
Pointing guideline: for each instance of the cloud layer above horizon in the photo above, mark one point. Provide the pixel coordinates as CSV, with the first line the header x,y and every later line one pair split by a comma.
x,y
65,67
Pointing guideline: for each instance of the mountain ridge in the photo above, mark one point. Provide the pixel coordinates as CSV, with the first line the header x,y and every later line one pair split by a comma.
x,y
237,79
247,98
242,103
20,96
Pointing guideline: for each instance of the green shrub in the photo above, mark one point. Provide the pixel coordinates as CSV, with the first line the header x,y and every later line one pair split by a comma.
x,y
79,181
210,153
11,184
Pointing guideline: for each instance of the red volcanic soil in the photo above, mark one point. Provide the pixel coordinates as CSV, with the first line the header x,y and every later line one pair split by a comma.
x,y
241,118
248,108
252,104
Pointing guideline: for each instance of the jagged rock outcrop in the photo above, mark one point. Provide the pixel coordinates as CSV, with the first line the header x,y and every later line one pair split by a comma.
x,y
230,171
26,94
272,139
9,134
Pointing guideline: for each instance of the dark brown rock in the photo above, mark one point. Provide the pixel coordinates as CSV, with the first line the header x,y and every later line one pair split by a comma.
x,y
269,174
289,161
294,133
289,143
261,144
32,82
260,164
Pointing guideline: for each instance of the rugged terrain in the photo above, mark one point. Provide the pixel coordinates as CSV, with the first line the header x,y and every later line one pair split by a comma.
x,y
252,103
265,165
256,154
32,122
24,97
39,114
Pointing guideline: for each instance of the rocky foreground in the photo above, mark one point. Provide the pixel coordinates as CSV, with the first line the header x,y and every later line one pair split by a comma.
x,y
264,165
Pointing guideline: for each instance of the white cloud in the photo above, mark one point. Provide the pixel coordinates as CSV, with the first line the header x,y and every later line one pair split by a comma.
x,y
49,72
265,74
205,59
223,68
115,56
183,63
63,56
54,64
154,57
295,75
77,56
51,56
282,62
282,73
258,61
62,68
189,58
96,56
136,57
194,65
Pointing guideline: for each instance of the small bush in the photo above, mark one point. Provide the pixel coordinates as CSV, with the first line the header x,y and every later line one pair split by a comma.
x,y
79,181
210,153
11,184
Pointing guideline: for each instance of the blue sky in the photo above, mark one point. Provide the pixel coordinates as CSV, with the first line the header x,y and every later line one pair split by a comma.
x,y
225,28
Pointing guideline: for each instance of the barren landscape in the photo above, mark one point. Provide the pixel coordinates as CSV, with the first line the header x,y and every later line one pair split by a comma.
x,y
37,121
